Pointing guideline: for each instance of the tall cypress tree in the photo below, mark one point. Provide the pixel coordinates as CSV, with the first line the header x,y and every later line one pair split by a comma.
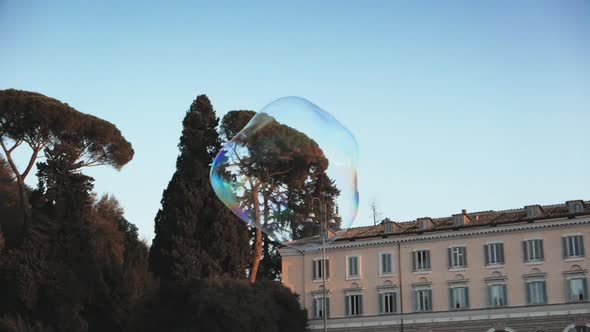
x,y
196,236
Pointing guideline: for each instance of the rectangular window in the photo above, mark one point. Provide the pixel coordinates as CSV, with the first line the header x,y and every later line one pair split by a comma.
x,y
353,270
457,257
573,246
533,250
494,253
318,307
421,260
354,305
577,289
386,263
497,296
317,270
423,300
387,303
458,298
536,292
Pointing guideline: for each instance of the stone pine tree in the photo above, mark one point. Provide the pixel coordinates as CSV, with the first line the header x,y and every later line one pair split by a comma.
x,y
196,236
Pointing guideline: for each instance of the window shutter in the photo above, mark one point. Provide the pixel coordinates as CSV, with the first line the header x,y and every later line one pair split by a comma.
x,y
315,308
524,251
544,290
490,303
451,299
568,290
360,312
585,288
414,254
467,296
327,307
464,251
485,253
564,247
394,297
505,295
347,305
450,251
416,301
382,303
327,268
429,302
581,245
314,273
501,251
428,259
541,250
528,293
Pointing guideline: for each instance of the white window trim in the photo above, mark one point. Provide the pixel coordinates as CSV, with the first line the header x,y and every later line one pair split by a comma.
x,y
458,268
423,288
574,259
388,291
537,260
422,271
495,265
359,267
572,234
388,274
492,242
533,238
318,280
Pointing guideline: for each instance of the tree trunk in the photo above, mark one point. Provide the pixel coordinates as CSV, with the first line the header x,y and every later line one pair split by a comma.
x,y
22,192
258,240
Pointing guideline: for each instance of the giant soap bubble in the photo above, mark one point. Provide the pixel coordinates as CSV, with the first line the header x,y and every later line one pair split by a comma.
x,y
291,159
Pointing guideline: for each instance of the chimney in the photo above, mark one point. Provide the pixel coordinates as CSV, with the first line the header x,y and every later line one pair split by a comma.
x,y
575,207
424,224
533,211
390,227
460,219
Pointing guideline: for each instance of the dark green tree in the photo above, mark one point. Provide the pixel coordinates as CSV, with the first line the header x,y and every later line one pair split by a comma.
x,y
196,236
42,122
281,168
220,306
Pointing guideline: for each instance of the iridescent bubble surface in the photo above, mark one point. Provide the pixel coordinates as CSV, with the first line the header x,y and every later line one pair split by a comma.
x,y
288,153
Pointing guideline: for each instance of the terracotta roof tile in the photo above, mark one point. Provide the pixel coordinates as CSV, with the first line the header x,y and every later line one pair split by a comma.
x,y
483,218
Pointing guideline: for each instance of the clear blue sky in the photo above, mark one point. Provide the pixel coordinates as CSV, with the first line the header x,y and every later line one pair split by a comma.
x,y
455,104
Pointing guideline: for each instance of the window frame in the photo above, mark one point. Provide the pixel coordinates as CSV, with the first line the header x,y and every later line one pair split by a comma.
x,y
452,301
529,246
504,292
529,293
451,257
489,254
314,270
415,254
315,307
358,267
584,280
381,272
419,293
348,305
382,302
576,245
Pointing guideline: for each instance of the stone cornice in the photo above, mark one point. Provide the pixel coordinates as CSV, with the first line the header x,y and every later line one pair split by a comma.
x,y
434,236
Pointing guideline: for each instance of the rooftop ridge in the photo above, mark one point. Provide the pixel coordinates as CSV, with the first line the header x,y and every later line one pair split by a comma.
x,y
413,221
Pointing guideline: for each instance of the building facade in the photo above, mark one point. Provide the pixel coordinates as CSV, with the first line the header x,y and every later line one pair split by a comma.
x,y
516,270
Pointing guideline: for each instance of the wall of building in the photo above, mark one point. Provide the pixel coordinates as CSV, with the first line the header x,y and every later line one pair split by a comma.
x,y
297,273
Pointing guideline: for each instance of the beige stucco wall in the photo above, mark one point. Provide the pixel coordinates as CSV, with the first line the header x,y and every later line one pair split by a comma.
x,y
297,268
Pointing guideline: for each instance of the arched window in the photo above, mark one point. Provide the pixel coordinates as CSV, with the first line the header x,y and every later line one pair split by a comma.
x,y
506,329
577,328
